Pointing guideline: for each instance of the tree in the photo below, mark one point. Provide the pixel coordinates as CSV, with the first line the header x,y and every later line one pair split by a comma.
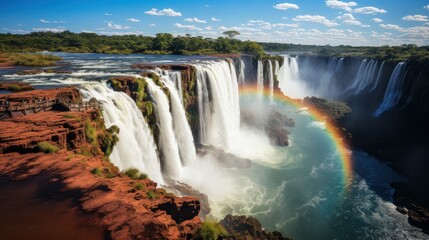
x,y
179,44
231,33
162,41
253,48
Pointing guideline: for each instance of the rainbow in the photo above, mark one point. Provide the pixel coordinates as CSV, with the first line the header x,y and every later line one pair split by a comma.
x,y
334,132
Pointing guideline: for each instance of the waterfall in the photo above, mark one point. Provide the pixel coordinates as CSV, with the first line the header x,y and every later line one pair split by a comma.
x,y
393,93
241,75
364,76
271,79
182,130
171,163
289,82
176,77
260,79
327,87
218,103
377,81
136,147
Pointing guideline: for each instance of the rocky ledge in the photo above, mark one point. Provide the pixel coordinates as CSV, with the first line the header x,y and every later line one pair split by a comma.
x,y
15,86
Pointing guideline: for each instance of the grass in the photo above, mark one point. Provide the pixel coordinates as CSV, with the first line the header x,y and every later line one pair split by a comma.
x,y
14,88
139,186
96,171
210,230
69,116
151,194
26,59
135,174
47,147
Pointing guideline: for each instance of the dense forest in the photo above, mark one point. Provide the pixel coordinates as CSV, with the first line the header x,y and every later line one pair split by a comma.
x,y
162,43
391,53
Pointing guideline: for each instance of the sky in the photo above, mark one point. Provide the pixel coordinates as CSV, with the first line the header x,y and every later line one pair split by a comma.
x,y
321,22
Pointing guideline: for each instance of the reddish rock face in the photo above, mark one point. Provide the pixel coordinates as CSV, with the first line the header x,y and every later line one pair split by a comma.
x,y
69,93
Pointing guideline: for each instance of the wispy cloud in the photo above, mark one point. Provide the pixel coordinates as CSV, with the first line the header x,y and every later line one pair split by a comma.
x,y
340,5
188,27
164,12
377,20
349,19
418,18
215,19
426,7
116,26
107,14
16,31
44,21
133,20
316,19
286,6
369,10
152,25
58,29
194,20
390,26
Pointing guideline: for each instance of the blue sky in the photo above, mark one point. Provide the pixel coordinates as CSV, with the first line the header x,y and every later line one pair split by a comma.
x,y
334,22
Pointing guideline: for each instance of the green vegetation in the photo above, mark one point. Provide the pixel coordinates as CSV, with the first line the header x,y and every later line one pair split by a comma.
x,y
135,174
99,137
162,43
96,171
47,147
14,88
69,116
390,53
28,59
210,231
139,186
151,194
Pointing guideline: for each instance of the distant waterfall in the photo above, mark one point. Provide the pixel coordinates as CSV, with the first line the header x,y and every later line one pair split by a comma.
x,y
270,79
171,164
393,93
364,77
136,147
276,68
241,74
289,81
182,130
377,81
260,79
327,87
218,103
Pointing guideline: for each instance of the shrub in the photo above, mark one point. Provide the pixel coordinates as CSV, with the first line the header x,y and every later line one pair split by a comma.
x,y
14,88
139,186
90,132
151,194
47,147
134,174
210,231
96,171
69,116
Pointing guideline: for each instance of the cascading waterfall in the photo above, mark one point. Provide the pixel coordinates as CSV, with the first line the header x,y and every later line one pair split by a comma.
x,y
219,110
176,77
377,81
393,93
270,79
241,74
364,77
289,82
136,147
260,79
171,163
182,130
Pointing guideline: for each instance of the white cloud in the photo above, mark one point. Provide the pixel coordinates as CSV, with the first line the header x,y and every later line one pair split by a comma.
x,y
152,25
107,14
59,29
87,31
215,19
377,20
17,31
369,10
164,12
116,26
390,26
209,28
349,19
426,7
188,27
44,21
19,25
340,5
133,20
419,18
316,19
120,33
207,5
194,20
286,6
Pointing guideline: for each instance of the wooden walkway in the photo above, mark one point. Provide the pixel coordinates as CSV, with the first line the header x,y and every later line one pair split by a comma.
x,y
25,108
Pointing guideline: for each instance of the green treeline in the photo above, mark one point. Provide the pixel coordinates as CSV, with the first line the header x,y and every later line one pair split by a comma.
x,y
162,43
391,53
